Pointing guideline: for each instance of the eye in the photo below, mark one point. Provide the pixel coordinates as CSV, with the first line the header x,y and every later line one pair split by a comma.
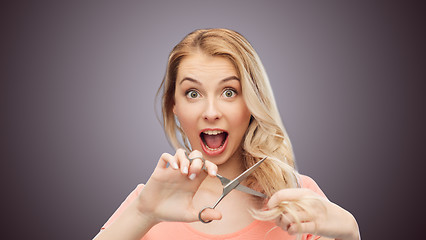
x,y
192,94
228,93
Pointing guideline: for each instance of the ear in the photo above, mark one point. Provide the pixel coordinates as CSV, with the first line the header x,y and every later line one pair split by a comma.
x,y
174,109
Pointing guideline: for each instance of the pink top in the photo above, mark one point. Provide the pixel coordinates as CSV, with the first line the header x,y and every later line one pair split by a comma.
x,y
179,230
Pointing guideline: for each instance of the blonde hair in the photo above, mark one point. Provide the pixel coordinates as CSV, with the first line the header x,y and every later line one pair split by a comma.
x,y
265,135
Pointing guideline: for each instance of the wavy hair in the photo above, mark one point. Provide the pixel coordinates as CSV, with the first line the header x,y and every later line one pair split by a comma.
x,y
265,135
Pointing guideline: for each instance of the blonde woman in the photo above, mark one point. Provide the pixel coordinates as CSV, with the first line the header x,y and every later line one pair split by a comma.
x,y
217,98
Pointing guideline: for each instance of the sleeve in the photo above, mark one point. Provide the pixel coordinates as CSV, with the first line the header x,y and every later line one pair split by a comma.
x,y
307,182
132,196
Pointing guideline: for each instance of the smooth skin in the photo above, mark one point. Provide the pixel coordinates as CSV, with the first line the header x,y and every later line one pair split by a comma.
x,y
208,96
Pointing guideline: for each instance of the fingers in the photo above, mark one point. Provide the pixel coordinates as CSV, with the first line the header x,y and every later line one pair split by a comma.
x,y
301,216
288,221
199,163
178,161
305,227
289,194
183,161
303,210
211,168
189,164
196,164
167,159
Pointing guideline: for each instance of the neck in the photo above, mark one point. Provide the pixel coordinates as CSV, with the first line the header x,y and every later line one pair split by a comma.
x,y
233,167
230,169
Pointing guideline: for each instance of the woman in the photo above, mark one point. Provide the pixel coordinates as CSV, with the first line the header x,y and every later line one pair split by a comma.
x,y
217,96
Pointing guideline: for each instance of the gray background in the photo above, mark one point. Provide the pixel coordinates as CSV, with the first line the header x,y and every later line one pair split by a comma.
x,y
79,78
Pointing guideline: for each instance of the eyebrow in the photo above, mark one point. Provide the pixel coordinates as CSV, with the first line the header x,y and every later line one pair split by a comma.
x,y
198,82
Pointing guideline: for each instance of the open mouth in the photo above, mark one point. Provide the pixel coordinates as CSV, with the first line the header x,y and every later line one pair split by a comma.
x,y
213,140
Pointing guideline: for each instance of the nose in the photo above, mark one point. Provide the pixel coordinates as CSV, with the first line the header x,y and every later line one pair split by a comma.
x,y
211,111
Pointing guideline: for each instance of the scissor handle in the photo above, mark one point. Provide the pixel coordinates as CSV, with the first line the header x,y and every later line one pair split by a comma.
x,y
199,215
201,158
217,202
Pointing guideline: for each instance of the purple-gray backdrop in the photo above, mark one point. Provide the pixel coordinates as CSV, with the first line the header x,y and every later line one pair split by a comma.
x,y
79,128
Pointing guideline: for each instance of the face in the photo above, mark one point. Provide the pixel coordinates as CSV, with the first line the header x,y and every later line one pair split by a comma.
x,y
210,107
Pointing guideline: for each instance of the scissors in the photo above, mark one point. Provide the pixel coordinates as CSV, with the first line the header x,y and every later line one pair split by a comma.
x,y
229,185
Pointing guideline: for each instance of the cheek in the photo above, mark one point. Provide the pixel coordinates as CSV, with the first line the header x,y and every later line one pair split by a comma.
x,y
185,121
185,117
241,118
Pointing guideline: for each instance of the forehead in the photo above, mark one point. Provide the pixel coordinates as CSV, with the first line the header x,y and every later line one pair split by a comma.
x,y
200,65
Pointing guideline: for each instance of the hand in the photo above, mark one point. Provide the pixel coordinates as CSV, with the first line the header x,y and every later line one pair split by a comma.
x,y
317,215
168,194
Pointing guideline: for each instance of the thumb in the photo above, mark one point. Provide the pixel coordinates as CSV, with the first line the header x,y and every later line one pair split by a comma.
x,y
208,214
199,178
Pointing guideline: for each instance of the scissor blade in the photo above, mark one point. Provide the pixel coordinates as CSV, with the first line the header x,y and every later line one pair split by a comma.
x,y
223,179
236,182
247,172
248,190
241,188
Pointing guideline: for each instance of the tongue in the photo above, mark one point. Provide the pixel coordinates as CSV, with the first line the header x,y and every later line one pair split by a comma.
x,y
214,141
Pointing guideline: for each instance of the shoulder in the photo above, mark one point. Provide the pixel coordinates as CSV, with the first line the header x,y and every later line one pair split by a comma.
x,y
134,194
308,182
138,188
129,199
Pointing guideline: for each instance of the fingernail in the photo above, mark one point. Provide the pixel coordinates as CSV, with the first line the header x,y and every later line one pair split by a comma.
x,y
174,165
185,170
213,173
192,176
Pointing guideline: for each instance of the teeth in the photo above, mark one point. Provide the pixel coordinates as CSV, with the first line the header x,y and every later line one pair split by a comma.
x,y
213,132
212,149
